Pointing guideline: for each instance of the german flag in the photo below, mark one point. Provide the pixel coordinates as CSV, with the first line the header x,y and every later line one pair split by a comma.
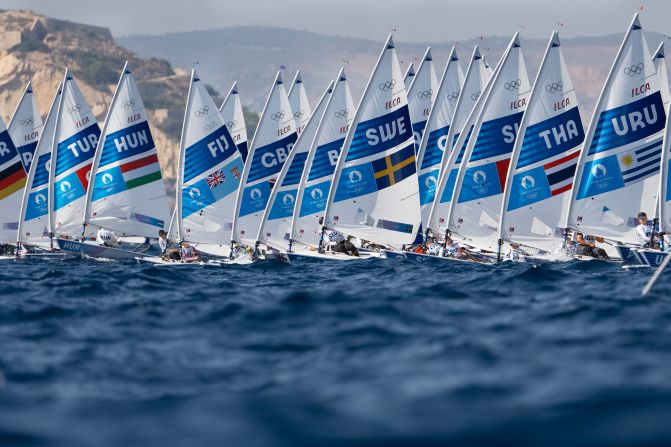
x,y
12,179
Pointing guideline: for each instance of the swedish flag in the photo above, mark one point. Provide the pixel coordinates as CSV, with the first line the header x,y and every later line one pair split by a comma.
x,y
393,168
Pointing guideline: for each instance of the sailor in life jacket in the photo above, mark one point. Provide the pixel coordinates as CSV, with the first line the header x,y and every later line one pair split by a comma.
x,y
452,248
644,232
515,254
107,238
338,244
433,247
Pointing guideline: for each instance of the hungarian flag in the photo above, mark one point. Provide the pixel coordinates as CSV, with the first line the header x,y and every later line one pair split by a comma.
x,y
141,171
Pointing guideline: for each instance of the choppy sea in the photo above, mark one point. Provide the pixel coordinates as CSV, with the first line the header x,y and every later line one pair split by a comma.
x,y
370,353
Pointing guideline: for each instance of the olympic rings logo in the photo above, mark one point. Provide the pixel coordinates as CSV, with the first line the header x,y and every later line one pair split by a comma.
x,y
386,86
452,97
231,124
27,122
211,125
299,114
426,94
512,85
475,96
75,109
202,112
341,113
554,87
128,103
277,116
634,69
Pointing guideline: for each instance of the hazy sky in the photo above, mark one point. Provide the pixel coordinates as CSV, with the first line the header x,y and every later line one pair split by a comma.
x,y
415,20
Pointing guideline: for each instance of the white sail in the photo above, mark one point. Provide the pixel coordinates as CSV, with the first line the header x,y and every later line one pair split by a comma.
x,y
273,140
127,194
409,76
300,105
659,59
545,155
34,217
618,172
231,111
468,100
320,165
664,211
434,142
420,96
478,193
209,171
25,126
275,226
12,183
74,145
375,194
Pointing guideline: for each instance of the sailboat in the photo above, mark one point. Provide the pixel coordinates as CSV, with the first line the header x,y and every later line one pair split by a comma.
x,y
543,161
231,111
273,140
33,229
320,164
12,183
434,144
409,76
74,145
468,104
275,227
375,195
126,194
618,170
478,193
298,100
25,126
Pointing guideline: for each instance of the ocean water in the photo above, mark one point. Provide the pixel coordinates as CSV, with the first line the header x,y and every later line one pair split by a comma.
x,y
372,353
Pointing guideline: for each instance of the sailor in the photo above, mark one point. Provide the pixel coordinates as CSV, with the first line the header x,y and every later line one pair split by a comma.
x,y
107,238
586,246
433,247
515,254
338,243
452,248
165,244
644,232
188,254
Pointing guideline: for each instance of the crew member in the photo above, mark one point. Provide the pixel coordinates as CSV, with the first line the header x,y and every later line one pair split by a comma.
x,y
107,238
644,232
586,246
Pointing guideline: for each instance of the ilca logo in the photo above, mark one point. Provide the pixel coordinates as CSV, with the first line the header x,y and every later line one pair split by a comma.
x,y
634,70
512,85
355,176
203,111
107,178
194,193
277,116
288,199
554,87
317,194
255,194
387,85
425,94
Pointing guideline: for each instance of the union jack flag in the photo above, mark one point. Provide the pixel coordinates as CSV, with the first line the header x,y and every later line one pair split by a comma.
x,y
216,178
236,173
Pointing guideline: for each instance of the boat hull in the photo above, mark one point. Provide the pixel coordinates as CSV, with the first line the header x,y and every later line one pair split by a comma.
x,y
96,251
